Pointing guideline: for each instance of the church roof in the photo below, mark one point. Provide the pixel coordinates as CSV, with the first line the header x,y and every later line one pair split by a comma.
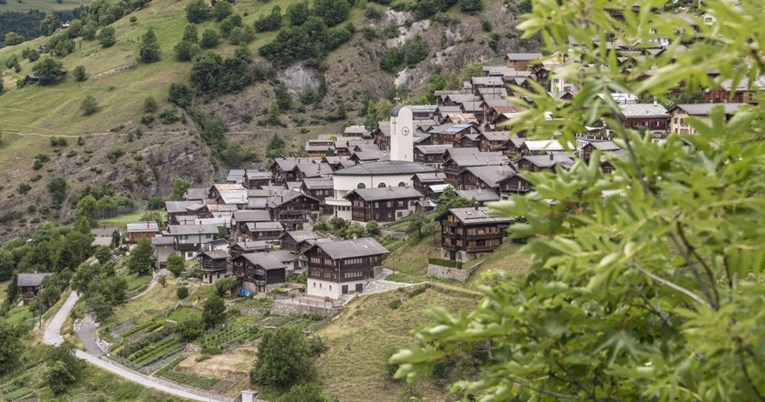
x,y
382,168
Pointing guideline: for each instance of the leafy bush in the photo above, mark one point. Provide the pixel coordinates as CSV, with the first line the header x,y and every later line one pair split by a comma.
x,y
182,292
270,22
89,106
210,39
410,53
80,74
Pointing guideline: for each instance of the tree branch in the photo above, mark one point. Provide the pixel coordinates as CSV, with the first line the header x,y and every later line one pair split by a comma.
x,y
670,284
692,266
707,268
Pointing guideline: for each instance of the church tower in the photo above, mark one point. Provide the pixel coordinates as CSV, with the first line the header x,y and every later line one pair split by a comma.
x,y
401,134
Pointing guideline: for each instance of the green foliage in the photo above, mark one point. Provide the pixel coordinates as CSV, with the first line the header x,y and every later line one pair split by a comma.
x,y
226,285
213,312
283,360
12,38
410,53
310,40
63,368
176,265
197,11
222,10
644,295
210,39
228,24
103,254
13,62
141,259
241,35
7,265
211,72
235,155
191,328
470,6
48,70
373,228
450,199
49,24
57,189
30,54
298,13
150,105
180,94
80,74
182,293
10,346
309,392
180,186
149,50
186,50
429,8
190,33
89,106
332,12
107,37
270,22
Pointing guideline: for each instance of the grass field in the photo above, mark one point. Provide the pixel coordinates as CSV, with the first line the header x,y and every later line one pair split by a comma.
x,y
367,332
123,220
42,5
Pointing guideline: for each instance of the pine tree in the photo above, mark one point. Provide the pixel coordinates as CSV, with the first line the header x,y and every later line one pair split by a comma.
x,y
149,51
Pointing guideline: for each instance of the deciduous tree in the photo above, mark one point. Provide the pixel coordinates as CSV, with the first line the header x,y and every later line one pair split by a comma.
x,y
141,258
283,360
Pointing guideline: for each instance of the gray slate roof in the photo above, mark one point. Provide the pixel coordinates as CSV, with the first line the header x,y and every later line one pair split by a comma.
x,y
385,193
177,230
318,184
646,110
264,226
301,235
216,254
253,245
266,261
476,216
479,195
383,168
363,247
703,109
523,56
252,215
433,149
31,279
492,175
437,177
142,227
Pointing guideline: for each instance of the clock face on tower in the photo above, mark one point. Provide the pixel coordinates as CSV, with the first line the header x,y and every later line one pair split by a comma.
x,y
405,131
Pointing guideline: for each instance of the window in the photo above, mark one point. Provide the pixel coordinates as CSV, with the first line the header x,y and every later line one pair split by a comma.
x,y
361,185
400,203
382,184
401,184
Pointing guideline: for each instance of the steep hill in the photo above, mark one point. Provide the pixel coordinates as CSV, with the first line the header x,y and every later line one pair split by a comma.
x,y
350,76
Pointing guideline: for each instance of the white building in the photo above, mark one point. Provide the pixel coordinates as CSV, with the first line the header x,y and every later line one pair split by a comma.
x,y
402,134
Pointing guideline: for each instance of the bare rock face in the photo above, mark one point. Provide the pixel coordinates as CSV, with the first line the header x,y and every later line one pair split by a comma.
x,y
300,79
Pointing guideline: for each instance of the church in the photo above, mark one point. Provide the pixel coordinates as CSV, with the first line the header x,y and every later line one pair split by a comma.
x,y
398,171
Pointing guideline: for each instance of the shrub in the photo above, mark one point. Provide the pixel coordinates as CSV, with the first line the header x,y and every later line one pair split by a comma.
x,y
182,292
150,105
395,304
107,37
270,22
189,329
89,106
209,39
115,154
80,74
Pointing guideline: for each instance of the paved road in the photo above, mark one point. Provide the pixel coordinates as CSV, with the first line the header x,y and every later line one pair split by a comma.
x,y
52,336
88,334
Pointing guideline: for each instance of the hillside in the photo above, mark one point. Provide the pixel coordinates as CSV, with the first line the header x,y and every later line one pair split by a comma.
x,y
351,76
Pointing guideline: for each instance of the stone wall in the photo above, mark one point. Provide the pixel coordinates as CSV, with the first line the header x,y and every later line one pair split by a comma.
x,y
456,274
290,308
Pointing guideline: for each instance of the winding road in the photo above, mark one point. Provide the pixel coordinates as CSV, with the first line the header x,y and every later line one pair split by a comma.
x,y
52,336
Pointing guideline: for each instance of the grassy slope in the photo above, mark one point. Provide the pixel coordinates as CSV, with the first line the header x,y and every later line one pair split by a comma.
x,y
367,332
42,5
117,81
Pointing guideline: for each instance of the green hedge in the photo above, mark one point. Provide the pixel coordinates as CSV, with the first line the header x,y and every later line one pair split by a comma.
x,y
445,263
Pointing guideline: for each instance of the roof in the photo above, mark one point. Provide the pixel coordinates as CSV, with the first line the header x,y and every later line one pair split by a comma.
x,y
703,109
451,128
259,174
318,183
301,235
232,193
604,145
215,254
543,145
283,255
481,195
31,279
475,216
105,241
383,168
384,128
363,247
106,231
638,110
496,135
176,230
252,215
196,193
162,241
480,159
437,177
493,81
423,108
550,160
523,56
266,261
385,193
181,207
235,175
253,245
744,85
491,175
288,196
355,130
142,227
433,149
264,226
370,156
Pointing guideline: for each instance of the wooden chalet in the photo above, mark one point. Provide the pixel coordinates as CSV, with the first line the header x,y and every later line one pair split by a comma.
x,y
422,181
244,247
318,188
337,268
142,230
745,92
240,219
469,233
522,61
649,116
283,169
449,133
189,239
501,179
468,141
183,208
385,204
295,240
432,155
29,285
214,265
456,161
604,146
538,163
255,231
259,272
381,136
540,147
293,209
229,194
256,178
